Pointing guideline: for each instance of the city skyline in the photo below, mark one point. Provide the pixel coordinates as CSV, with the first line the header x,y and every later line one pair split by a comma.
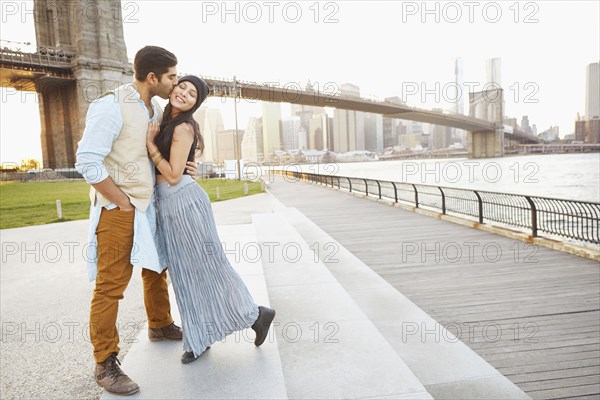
x,y
539,61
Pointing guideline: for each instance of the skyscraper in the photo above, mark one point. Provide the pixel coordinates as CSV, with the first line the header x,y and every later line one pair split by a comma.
x,y
373,132
580,130
587,131
525,124
294,136
459,81
440,136
390,126
318,133
271,117
592,91
227,148
461,94
252,143
348,125
305,112
210,122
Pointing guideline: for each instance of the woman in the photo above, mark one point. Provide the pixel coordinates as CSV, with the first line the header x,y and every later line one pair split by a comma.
x,y
212,298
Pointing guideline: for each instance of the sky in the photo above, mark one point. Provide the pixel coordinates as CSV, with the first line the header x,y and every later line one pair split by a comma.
x,y
386,48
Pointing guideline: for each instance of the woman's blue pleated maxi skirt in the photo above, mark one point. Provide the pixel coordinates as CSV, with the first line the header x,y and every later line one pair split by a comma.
x,y
213,301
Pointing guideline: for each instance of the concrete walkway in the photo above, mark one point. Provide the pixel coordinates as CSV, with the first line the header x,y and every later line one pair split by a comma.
x,y
341,330
45,352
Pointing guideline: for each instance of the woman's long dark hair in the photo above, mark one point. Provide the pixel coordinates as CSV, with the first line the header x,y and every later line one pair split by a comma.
x,y
165,137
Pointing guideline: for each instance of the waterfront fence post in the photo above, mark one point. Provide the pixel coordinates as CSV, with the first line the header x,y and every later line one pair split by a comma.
x,y
534,224
395,192
443,201
416,196
480,204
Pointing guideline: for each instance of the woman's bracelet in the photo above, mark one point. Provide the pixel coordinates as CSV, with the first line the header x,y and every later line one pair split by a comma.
x,y
155,153
158,159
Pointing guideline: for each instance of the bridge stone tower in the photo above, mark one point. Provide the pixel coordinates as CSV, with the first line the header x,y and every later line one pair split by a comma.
x,y
487,105
92,32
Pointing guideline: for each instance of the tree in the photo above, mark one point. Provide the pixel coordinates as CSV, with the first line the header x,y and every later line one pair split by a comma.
x,y
29,164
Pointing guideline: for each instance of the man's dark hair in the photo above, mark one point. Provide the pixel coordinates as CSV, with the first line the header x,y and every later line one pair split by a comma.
x,y
152,59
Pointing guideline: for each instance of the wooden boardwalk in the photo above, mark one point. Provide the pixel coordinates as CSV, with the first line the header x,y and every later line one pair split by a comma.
x,y
531,312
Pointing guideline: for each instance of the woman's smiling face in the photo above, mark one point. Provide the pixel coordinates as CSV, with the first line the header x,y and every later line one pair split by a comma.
x,y
184,96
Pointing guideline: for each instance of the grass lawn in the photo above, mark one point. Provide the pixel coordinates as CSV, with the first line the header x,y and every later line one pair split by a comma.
x,y
34,203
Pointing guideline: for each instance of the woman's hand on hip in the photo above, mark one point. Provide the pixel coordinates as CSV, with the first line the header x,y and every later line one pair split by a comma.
x,y
192,169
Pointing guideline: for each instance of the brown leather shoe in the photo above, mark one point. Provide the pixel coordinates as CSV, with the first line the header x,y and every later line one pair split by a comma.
x,y
171,332
262,323
112,379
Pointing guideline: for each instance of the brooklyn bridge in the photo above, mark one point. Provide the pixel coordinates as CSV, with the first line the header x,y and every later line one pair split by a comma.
x,y
78,58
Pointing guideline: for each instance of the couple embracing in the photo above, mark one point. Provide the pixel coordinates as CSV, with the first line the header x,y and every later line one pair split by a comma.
x,y
148,211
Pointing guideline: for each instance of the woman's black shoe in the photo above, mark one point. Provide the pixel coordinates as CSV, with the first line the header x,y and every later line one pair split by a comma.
x,y
262,323
189,356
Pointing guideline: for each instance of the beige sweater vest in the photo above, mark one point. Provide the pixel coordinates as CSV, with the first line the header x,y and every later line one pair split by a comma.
x,y
128,163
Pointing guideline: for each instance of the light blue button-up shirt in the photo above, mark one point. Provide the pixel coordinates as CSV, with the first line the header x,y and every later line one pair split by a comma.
x,y
102,127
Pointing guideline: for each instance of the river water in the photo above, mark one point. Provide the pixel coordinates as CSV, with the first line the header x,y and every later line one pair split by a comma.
x,y
565,176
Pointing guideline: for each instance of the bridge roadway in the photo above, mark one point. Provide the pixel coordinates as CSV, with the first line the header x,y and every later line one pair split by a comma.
x,y
532,313
21,70
327,98
263,92
254,91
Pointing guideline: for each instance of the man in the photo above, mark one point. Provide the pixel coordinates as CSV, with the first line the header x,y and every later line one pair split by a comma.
x,y
112,157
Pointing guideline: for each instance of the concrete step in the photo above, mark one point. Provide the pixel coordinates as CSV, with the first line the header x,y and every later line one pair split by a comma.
x,y
329,348
233,368
446,367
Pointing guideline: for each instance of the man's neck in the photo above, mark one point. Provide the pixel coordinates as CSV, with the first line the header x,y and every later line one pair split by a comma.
x,y
143,90
144,93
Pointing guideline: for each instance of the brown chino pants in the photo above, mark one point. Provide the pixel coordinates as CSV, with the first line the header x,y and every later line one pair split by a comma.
x,y
115,242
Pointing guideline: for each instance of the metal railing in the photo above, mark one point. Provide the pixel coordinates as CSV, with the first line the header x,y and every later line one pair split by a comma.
x,y
573,219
